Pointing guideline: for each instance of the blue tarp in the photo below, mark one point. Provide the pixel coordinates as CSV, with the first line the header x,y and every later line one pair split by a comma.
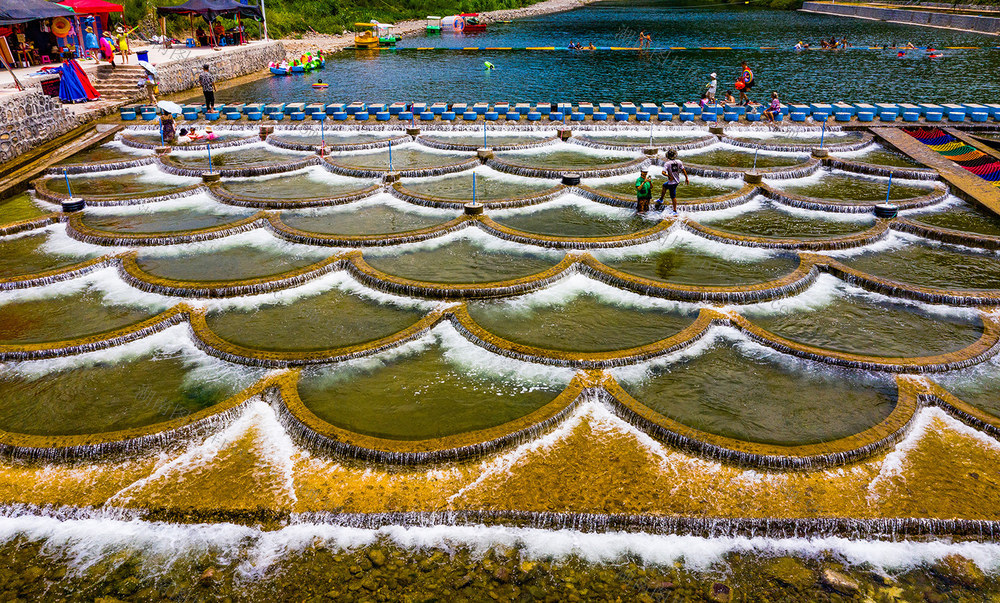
x,y
71,89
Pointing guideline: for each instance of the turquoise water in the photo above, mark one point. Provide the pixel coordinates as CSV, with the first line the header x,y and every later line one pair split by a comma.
x,y
408,74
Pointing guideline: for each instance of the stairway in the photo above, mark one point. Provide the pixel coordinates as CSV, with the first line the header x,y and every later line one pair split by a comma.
x,y
119,82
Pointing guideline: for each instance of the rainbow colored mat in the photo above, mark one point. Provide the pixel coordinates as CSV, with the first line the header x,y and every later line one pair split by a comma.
x,y
967,156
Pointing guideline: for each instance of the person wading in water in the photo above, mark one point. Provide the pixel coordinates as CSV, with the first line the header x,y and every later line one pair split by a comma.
x,y
643,191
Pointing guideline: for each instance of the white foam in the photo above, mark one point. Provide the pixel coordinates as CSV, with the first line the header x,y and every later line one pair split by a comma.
x,y
723,146
949,202
682,134
476,236
677,237
200,202
822,173
892,241
173,341
481,171
764,134
259,238
411,145
821,215
519,134
471,359
142,173
568,147
827,289
274,447
331,133
377,199
756,203
196,152
316,173
656,171
85,542
724,335
340,280
573,200
567,289
895,462
121,147
105,281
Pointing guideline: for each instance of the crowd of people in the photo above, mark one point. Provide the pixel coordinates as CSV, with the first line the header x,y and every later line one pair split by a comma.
x,y
105,47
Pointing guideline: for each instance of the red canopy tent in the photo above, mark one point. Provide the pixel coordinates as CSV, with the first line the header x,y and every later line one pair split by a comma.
x,y
92,7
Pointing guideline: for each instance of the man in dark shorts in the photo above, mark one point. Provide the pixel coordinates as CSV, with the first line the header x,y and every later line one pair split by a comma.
x,y
672,171
643,191
207,81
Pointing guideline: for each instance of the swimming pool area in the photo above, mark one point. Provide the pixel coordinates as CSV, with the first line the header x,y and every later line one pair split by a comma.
x,y
420,69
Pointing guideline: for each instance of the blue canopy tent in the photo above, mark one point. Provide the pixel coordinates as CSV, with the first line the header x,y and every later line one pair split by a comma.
x,y
22,11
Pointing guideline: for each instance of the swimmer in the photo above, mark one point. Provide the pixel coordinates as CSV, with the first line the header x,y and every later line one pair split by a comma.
x,y
591,47
900,54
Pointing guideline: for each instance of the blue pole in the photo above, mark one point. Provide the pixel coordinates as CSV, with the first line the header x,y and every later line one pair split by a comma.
x,y
473,188
322,133
822,135
69,191
755,159
208,146
390,155
888,189
484,134
161,130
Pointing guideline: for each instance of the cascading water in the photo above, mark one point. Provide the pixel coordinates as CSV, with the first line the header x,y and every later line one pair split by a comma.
x,y
302,370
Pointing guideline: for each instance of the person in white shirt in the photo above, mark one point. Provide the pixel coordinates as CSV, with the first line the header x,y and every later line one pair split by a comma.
x,y
712,86
672,171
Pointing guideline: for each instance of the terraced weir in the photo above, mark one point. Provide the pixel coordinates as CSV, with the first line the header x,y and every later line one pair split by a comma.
x,y
479,372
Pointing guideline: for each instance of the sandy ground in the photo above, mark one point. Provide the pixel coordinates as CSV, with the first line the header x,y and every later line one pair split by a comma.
x,y
329,42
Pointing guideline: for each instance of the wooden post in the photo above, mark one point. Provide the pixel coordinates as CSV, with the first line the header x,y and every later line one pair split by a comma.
x,y
163,27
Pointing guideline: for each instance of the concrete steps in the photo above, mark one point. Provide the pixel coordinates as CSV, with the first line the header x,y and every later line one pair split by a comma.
x,y
119,82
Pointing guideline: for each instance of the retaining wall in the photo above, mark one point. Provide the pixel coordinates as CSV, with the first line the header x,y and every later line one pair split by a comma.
x,y
990,25
182,74
30,118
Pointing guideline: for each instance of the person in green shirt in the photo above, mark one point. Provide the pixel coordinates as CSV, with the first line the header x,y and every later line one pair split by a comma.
x,y
643,191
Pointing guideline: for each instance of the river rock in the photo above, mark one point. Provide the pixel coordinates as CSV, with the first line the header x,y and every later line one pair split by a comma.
x,y
377,557
720,593
960,571
842,583
210,575
790,572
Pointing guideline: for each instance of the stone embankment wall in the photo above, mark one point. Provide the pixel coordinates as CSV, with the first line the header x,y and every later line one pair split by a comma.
x,y
30,118
989,25
182,74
